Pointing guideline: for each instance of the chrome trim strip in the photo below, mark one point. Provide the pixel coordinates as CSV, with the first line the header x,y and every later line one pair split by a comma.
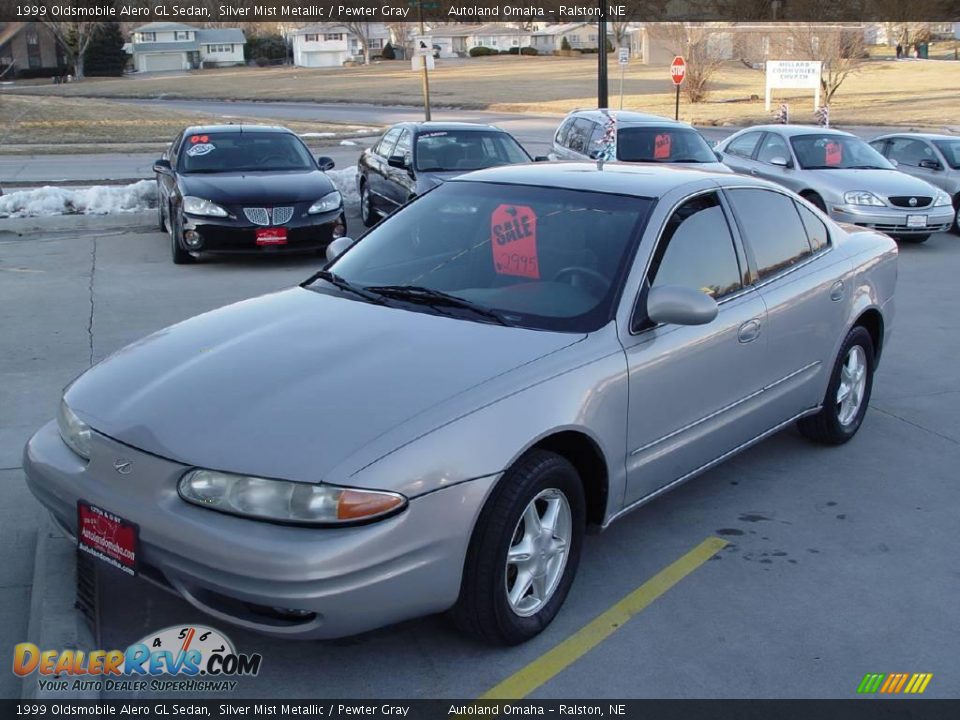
x,y
706,466
724,409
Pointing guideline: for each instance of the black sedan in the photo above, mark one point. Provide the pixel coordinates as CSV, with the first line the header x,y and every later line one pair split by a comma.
x,y
412,157
245,188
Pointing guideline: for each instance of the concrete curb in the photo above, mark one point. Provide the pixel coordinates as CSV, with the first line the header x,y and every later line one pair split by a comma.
x,y
54,623
81,224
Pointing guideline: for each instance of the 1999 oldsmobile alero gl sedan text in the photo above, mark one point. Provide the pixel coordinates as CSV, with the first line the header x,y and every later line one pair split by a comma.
x,y
431,422
245,189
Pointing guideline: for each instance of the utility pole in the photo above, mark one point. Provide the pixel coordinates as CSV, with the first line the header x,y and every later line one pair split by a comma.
x,y
602,98
426,74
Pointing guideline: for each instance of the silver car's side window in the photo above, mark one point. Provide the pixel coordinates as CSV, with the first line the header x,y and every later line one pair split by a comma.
x,y
772,228
697,251
817,232
744,145
773,147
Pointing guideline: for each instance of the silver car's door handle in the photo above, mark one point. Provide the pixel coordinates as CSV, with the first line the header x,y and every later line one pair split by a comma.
x,y
749,331
754,171
836,291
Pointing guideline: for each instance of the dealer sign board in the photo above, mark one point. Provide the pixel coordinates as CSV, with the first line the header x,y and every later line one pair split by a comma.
x,y
794,74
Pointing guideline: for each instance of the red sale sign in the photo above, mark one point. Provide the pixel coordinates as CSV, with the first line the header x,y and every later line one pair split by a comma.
x,y
513,239
661,146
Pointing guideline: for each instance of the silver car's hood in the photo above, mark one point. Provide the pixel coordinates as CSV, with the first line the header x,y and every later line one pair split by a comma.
x,y
289,385
880,182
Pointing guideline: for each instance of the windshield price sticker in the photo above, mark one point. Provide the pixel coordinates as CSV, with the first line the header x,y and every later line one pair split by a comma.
x,y
661,146
200,149
834,154
513,238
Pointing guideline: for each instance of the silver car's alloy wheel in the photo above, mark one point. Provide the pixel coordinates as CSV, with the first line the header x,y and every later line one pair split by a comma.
x,y
538,552
853,380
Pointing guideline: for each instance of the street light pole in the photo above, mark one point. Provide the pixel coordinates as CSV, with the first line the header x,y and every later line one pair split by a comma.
x,y
426,76
602,98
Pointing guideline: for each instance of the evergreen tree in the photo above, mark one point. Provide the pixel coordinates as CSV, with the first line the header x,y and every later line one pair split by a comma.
x,y
105,55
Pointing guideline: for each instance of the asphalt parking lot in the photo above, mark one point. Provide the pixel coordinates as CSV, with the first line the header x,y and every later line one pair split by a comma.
x,y
838,561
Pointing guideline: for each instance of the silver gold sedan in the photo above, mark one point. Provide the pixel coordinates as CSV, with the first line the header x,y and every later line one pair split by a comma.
x,y
843,176
431,422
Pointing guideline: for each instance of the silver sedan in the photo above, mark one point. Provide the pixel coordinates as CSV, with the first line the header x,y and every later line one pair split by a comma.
x,y
431,422
843,176
928,156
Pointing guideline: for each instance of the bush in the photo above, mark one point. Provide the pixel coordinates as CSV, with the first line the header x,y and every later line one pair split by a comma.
x,y
105,56
565,44
588,51
513,51
388,53
266,47
32,73
481,51
529,51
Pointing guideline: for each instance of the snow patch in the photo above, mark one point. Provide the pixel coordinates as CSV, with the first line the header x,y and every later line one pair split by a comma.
x,y
346,182
347,142
316,135
96,200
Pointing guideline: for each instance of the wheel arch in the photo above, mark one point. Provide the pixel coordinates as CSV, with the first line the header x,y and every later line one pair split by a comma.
x,y
586,457
871,320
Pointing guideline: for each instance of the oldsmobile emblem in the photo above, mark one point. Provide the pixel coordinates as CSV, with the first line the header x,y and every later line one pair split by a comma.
x,y
123,466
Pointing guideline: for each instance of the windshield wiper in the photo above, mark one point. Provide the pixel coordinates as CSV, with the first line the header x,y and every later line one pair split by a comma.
x,y
341,284
431,297
865,167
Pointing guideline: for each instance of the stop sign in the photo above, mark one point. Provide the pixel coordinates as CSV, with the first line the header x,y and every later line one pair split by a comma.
x,y
678,70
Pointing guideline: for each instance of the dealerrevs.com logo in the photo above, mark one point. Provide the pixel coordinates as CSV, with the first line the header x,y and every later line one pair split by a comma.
x,y
180,658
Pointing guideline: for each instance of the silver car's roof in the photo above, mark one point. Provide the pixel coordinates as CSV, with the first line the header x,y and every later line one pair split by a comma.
x,y
627,117
919,136
794,130
650,181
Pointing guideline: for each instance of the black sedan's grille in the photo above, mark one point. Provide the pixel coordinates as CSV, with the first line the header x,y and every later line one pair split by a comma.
x,y
262,216
904,201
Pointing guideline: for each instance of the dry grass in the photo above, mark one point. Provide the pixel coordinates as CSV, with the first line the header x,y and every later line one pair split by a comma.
x,y
883,92
43,120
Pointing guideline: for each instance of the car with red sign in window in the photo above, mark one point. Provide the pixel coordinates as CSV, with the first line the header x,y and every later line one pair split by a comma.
x,y
245,189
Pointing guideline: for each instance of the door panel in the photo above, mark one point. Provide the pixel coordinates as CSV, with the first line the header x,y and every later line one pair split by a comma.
x,y
693,388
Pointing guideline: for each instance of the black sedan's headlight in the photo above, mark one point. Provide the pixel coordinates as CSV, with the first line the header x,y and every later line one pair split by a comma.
x,y
330,201
200,206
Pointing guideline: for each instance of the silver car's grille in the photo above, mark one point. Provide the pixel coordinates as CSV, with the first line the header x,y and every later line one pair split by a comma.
x,y
258,216
910,201
282,215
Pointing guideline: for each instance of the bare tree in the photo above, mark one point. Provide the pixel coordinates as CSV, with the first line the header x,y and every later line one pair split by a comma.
x,y
840,50
74,37
703,56
362,30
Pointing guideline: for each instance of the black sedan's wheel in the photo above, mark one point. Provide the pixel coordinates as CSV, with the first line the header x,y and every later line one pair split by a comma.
x,y
848,393
179,253
524,552
367,214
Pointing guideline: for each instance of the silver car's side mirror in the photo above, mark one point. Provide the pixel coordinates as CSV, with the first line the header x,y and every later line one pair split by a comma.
x,y
675,305
780,161
338,247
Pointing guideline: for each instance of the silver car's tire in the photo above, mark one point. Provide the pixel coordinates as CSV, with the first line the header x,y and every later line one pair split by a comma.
x,y
367,214
848,393
524,552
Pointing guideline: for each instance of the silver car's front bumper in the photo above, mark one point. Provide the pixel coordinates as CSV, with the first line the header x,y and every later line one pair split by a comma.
x,y
894,221
342,581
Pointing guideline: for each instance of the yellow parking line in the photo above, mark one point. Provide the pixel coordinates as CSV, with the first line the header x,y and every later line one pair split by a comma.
x,y
551,663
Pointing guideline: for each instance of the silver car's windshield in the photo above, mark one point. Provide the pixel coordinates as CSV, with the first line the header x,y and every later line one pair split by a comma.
x,y
950,150
439,150
663,144
836,152
538,257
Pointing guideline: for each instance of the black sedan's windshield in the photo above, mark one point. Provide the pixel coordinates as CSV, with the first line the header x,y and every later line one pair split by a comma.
x,y
244,152
440,150
663,144
836,152
539,257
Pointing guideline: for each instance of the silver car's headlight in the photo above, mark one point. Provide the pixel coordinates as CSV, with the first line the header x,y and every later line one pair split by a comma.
x,y
74,431
199,206
942,199
330,201
862,197
284,501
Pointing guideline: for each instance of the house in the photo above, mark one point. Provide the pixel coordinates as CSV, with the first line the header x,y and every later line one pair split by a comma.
x,y
579,35
455,40
161,46
29,49
330,45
